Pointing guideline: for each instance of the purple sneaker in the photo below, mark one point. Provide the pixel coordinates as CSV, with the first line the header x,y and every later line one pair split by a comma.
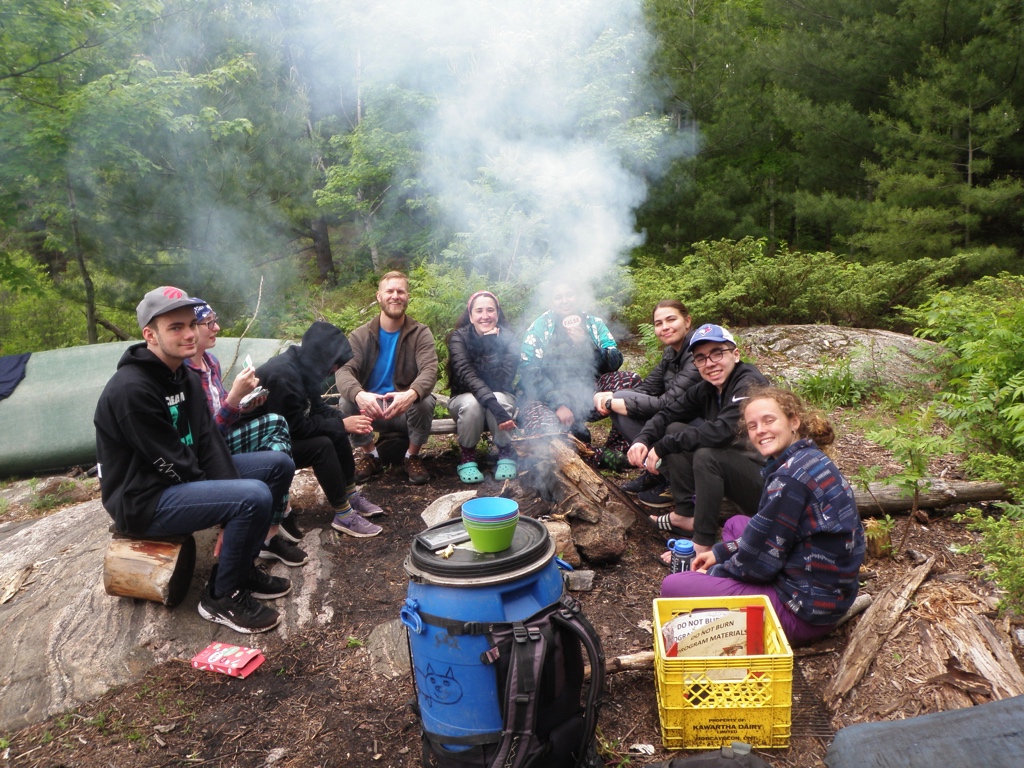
x,y
363,505
354,524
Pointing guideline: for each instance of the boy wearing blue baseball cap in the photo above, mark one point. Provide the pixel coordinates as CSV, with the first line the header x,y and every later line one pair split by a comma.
x,y
694,443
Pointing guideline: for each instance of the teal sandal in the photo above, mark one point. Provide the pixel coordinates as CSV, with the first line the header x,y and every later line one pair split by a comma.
x,y
470,473
506,470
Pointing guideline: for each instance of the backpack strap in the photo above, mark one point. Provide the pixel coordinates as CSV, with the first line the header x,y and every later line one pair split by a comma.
x,y
570,616
457,628
529,646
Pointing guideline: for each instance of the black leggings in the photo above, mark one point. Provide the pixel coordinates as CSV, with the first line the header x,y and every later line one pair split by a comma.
x,y
332,463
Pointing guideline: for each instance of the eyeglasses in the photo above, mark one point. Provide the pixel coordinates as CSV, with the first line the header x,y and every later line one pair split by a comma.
x,y
210,321
714,356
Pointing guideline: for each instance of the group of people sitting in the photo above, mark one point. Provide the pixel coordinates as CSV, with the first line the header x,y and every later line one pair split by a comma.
x,y
179,453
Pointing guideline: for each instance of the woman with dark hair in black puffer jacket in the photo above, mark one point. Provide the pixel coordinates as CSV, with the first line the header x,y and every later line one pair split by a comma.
x,y
483,357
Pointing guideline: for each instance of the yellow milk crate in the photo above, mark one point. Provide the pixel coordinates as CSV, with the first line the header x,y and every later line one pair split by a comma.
x,y
699,711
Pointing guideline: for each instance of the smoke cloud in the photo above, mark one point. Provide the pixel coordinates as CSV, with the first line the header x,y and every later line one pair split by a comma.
x,y
544,132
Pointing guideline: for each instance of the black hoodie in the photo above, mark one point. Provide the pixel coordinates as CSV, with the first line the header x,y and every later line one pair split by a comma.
x,y
718,415
296,381
153,430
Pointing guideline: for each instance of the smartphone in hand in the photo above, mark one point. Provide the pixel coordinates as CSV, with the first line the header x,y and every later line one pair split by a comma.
x,y
258,392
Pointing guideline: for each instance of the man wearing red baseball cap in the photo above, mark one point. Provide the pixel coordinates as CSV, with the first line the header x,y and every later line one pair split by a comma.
x,y
165,469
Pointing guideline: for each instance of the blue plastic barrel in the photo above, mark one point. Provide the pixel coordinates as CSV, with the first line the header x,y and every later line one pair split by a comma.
x,y
457,691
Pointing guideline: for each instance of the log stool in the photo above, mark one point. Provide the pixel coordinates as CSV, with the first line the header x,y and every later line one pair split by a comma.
x,y
153,568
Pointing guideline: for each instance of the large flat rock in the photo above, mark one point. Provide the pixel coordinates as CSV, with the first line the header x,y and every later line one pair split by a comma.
x,y
66,641
788,353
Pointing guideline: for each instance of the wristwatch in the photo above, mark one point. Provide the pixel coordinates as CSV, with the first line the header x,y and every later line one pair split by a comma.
x,y
608,404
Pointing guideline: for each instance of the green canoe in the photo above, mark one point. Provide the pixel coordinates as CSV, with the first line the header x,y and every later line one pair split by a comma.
x,y
46,423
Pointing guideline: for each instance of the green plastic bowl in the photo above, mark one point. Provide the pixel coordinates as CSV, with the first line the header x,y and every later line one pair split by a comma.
x,y
491,538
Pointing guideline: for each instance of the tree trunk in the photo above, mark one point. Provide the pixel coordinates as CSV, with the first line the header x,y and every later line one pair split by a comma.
x,y
322,247
90,291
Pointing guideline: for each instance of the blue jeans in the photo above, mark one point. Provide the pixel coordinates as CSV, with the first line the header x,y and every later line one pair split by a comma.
x,y
242,507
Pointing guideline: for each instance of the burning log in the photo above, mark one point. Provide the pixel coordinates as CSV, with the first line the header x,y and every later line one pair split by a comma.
x,y
598,513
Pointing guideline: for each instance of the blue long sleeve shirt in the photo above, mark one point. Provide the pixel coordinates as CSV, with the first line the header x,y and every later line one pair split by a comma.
x,y
806,538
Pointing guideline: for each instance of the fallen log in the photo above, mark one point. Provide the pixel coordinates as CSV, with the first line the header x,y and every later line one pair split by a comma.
x,y
879,498
872,631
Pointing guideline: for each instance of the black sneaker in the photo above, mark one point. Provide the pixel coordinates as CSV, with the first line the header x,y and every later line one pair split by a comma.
x,y
659,496
266,587
238,610
645,482
289,528
279,548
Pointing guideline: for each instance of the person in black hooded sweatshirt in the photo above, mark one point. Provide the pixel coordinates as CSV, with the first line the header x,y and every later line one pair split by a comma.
x,y
296,382
165,469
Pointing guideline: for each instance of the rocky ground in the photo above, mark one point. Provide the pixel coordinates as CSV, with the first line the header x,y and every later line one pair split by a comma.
x,y
316,702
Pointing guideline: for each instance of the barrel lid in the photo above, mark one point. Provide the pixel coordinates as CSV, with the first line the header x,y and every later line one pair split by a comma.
x,y
532,547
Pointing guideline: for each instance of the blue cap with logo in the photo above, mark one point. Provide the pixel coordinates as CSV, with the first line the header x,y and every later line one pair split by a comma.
x,y
711,332
203,310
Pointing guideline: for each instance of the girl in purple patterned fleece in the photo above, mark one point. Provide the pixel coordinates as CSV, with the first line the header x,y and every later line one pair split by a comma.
x,y
804,547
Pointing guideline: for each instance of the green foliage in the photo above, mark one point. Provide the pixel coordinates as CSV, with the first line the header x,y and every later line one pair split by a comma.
x,y
998,468
33,316
612,751
1002,548
981,330
834,385
914,442
354,642
741,283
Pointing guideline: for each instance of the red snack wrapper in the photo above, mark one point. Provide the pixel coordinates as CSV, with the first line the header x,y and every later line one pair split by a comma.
x,y
234,660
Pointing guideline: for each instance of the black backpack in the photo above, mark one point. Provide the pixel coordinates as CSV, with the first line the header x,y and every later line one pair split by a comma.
x,y
539,666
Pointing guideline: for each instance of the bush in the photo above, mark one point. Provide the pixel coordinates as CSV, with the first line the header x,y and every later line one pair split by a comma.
x,y
33,315
1002,548
738,283
981,328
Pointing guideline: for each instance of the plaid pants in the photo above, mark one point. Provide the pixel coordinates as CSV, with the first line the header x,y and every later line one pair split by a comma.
x,y
264,433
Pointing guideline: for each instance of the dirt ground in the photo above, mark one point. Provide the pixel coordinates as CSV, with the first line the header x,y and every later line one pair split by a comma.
x,y
315,702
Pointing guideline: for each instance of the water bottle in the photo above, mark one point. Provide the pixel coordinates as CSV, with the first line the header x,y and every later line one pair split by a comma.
x,y
682,554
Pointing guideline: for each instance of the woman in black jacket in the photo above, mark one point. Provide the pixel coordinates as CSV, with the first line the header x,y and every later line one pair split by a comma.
x,y
666,383
483,357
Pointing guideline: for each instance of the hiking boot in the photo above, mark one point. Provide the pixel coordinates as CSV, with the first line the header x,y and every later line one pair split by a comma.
x,y
289,528
367,465
363,505
414,468
266,587
659,496
645,482
238,610
279,548
354,524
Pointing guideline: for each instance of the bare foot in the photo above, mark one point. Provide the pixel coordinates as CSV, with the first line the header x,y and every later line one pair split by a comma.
x,y
666,557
